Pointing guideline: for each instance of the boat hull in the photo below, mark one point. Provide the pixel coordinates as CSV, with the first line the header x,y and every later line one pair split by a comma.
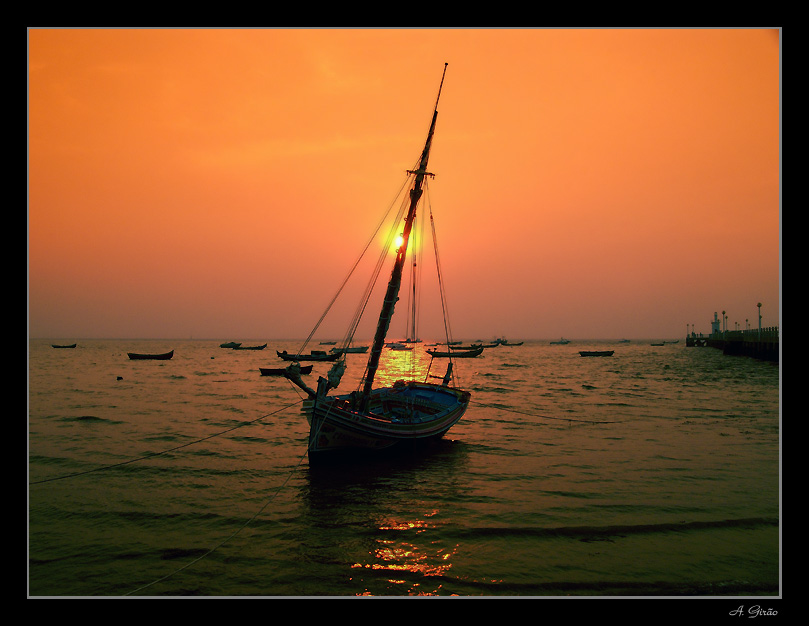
x,y
406,412
460,354
282,371
150,357
308,357
597,352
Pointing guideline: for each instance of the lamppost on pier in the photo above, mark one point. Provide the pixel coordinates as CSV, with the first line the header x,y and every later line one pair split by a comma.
x,y
759,321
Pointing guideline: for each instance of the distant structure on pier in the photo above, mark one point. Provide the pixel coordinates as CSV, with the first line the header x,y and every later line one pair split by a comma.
x,y
759,343
715,324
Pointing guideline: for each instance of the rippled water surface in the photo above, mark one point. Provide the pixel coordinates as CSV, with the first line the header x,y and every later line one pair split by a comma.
x,y
654,472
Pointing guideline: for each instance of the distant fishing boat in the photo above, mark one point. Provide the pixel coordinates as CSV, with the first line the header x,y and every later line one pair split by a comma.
x,y
456,354
351,350
152,357
657,344
230,344
505,342
596,352
240,347
562,341
373,419
315,355
283,371
54,345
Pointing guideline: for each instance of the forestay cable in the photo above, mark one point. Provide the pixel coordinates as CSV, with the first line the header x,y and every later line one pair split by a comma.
x,y
353,267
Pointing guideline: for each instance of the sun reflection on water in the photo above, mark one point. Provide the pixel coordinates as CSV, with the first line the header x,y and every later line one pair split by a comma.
x,y
408,365
403,558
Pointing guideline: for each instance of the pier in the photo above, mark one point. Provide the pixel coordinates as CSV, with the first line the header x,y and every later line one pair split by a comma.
x,y
759,343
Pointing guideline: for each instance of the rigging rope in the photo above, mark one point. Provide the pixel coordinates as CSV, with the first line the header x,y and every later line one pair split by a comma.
x,y
404,205
232,535
229,537
441,290
156,454
148,456
246,523
380,263
354,267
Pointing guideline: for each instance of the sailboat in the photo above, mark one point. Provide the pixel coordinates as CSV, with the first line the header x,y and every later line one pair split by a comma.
x,y
375,419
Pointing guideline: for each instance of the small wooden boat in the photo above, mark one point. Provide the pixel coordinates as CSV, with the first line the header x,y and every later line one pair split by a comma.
x,y
283,371
657,344
153,357
456,354
229,344
54,345
241,347
596,352
506,342
315,355
561,342
351,350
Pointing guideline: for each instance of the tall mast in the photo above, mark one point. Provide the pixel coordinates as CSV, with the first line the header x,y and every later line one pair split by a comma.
x,y
392,293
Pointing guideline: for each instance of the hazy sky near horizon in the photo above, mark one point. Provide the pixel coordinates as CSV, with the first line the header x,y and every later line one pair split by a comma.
x,y
219,183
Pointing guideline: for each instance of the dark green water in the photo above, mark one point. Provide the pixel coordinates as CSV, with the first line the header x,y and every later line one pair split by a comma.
x,y
654,472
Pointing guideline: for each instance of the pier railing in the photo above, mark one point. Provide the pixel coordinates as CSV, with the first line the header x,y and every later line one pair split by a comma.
x,y
761,343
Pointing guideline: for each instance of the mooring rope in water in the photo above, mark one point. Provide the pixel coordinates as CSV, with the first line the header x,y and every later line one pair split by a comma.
x,y
547,417
229,537
156,454
249,521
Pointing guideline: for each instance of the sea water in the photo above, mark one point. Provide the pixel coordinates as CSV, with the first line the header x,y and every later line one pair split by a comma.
x,y
653,472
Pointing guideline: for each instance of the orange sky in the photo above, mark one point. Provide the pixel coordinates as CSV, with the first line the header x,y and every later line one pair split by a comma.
x,y
219,183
